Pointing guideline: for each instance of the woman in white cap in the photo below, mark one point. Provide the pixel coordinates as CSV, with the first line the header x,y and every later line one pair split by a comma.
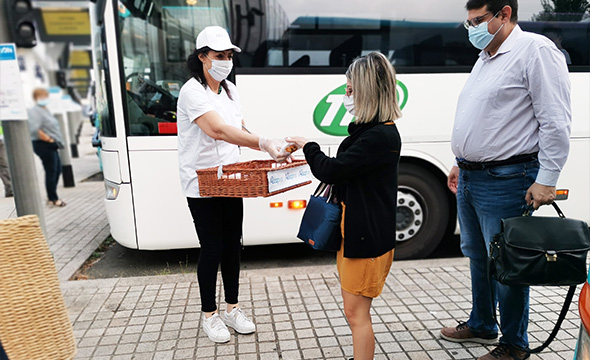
x,y
210,131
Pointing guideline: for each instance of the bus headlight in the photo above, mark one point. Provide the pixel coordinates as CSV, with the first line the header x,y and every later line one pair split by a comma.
x,y
111,189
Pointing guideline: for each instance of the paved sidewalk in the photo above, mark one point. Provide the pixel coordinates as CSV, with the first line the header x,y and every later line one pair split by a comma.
x,y
74,231
298,313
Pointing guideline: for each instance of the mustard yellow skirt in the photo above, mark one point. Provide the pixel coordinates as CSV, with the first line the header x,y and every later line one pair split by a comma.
x,y
364,277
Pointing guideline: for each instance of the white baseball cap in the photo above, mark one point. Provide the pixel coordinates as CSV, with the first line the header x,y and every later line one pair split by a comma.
x,y
216,38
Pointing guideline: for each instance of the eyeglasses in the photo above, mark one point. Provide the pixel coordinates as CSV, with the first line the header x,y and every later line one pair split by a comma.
x,y
478,20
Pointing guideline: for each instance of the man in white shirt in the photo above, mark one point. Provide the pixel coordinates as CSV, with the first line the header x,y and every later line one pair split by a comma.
x,y
511,140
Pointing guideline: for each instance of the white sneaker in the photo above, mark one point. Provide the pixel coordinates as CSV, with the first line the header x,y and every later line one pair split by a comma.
x,y
216,329
238,321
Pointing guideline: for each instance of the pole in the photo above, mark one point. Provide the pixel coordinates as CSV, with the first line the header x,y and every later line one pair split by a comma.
x,y
21,162
75,124
65,153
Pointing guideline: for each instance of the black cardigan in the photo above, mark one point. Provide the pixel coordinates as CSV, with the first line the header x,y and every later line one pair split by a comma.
x,y
364,173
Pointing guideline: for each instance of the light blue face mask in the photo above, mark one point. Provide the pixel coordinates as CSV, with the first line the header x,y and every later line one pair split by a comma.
x,y
43,102
480,37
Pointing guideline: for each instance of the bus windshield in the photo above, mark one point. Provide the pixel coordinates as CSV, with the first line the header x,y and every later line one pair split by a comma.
x,y
156,37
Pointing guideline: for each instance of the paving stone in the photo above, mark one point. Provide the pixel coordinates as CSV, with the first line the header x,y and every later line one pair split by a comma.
x,y
298,312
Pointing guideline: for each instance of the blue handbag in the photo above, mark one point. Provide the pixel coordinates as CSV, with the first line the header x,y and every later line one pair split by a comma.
x,y
320,226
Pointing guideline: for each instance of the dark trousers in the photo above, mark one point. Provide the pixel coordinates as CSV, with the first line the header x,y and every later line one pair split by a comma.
x,y
4,171
52,165
218,222
3,355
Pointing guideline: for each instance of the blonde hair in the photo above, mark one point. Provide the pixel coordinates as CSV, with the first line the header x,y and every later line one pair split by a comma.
x,y
374,89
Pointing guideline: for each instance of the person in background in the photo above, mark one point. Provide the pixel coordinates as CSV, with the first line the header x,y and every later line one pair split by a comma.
x,y
511,141
365,176
47,140
210,130
554,34
4,172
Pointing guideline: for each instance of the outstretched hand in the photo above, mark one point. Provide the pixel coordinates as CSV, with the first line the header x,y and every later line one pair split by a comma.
x,y
300,141
273,148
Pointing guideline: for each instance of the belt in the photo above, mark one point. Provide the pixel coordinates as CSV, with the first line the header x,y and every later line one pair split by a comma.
x,y
518,159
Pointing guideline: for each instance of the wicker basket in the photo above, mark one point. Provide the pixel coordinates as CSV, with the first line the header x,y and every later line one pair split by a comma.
x,y
246,179
34,321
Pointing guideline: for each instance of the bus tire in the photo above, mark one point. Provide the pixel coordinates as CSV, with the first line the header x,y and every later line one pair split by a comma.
x,y
422,212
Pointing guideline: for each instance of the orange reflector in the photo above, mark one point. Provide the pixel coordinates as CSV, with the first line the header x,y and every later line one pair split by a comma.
x,y
562,194
297,204
276,204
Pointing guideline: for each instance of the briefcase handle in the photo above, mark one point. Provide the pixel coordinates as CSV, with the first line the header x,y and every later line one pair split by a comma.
x,y
529,210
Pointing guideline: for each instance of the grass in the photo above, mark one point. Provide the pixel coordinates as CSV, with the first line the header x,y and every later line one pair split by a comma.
x,y
93,259
183,266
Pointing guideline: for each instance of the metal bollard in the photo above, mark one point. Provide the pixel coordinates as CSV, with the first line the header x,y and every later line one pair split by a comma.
x,y
74,128
65,153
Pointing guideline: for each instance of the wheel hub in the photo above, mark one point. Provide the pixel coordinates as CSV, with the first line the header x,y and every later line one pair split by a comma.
x,y
410,216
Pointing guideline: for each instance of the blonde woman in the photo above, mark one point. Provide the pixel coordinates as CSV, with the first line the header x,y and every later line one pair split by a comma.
x,y
364,174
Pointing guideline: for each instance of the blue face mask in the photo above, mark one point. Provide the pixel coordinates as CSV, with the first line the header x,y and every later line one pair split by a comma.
x,y
480,37
43,102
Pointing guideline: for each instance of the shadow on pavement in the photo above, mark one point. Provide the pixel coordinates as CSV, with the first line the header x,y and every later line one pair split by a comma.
x,y
119,261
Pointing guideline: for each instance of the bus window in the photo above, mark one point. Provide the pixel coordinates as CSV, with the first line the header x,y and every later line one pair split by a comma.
x,y
104,98
277,34
155,42
570,37
156,36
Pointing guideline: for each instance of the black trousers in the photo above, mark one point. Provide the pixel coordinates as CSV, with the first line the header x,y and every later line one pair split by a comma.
x,y
52,165
218,222
3,355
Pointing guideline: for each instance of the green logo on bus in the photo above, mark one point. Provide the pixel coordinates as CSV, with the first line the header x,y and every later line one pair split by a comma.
x,y
330,116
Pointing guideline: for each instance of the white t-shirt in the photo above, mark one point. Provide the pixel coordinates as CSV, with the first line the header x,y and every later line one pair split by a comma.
x,y
196,149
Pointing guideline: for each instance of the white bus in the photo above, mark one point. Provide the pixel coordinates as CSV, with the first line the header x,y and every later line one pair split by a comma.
x,y
290,75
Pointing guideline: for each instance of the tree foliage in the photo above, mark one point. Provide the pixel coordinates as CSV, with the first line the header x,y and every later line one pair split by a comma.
x,y
563,10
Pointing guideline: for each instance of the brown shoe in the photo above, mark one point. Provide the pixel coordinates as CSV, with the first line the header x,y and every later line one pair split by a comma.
x,y
505,352
462,333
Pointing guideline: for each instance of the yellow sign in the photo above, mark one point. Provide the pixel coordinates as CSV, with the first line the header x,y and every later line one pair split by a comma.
x,y
79,74
79,82
80,58
60,22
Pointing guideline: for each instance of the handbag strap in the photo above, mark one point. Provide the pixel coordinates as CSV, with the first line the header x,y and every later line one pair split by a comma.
x,y
325,190
320,189
564,309
562,314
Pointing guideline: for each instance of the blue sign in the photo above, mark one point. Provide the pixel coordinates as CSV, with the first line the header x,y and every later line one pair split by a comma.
x,y
7,52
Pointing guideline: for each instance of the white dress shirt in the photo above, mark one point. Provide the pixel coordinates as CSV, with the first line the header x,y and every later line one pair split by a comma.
x,y
516,102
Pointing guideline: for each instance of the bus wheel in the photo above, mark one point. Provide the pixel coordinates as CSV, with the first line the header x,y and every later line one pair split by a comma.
x,y
422,213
